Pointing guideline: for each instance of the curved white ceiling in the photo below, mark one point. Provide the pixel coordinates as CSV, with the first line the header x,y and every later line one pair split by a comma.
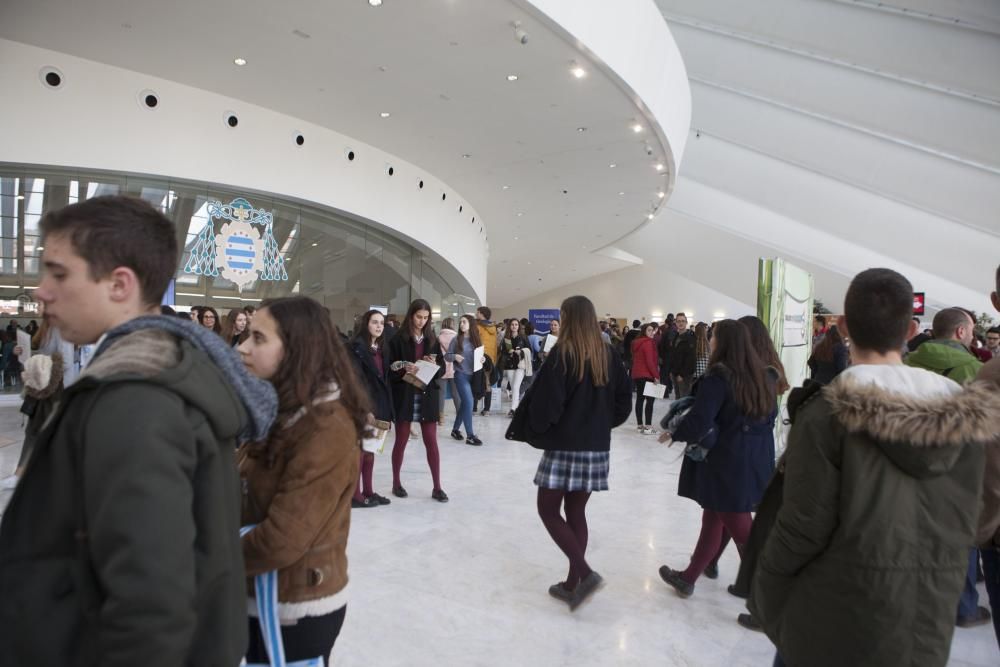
x,y
440,69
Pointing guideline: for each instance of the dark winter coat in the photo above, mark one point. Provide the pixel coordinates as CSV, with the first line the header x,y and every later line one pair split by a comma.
x,y
120,545
682,355
740,461
510,356
870,549
376,383
630,337
569,415
404,348
644,364
823,372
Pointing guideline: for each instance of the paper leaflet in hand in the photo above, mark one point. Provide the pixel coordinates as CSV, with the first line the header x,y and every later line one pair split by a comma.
x,y
426,370
654,390
478,358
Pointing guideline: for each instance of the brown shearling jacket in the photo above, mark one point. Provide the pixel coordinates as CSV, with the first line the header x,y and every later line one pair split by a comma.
x,y
301,504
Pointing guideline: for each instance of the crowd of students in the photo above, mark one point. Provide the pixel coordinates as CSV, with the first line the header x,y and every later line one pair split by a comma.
x,y
121,543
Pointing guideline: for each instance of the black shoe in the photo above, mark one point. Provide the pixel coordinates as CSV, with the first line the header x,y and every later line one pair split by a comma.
x,y
980,617
749,622
455,433
381,500
560,592
733,590
366,502
712,571
473,440
673,577
483,413
399,492
439,496
510,413
587,586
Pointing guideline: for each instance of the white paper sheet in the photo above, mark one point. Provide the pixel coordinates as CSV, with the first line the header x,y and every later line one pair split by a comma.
x,y
478,358
426,370
550,342
654,390
24,341
375,444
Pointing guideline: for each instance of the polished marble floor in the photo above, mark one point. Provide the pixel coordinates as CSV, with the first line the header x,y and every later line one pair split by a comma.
x,y
465,583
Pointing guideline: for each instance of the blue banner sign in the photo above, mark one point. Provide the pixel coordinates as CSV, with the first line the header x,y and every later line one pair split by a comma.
x,y
541,318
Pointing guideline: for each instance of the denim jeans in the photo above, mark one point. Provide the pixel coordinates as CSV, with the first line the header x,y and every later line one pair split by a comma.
x,y
463,383
968,604
991,568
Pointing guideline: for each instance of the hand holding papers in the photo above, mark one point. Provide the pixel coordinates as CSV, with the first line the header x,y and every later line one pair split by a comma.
x,y
654,390
24,342
376,443
550,342
478,358
422,374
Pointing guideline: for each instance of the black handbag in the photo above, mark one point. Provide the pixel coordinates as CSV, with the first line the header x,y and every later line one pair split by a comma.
x,y
519,429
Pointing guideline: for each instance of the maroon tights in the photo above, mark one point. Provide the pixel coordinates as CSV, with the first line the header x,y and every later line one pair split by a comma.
x,y
366,467
569,534
710,541
428,431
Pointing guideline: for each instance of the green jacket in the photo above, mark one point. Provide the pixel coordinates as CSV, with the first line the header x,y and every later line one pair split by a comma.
x,y
945,357
120,544
869,551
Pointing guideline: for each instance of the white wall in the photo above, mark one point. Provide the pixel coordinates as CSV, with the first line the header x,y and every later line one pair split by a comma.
x,y
638,292
95,120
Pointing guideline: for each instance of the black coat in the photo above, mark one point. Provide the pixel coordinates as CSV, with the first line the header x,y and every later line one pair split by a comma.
x,y
377,384
508,360
741,460
823,372
568,415
682,355
404,348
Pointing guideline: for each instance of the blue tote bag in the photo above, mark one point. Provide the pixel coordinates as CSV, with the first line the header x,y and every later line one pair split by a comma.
x,y
266,589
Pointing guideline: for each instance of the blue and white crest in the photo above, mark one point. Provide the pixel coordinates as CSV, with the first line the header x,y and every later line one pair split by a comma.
x,y
238,253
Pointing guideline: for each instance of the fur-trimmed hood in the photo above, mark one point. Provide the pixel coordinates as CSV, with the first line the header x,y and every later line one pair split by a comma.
x,y
919,419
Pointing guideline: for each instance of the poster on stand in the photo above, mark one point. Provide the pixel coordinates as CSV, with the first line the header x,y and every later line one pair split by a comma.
x,y
541,319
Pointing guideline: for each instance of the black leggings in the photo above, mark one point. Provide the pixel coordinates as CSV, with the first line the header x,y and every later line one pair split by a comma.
x,y
640,400
310,637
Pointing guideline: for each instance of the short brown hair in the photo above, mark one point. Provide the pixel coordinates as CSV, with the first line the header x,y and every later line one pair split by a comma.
x,y
115,231
878,307
948,320
485,312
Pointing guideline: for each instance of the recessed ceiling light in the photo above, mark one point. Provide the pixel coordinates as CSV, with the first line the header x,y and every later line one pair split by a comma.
x,y
315,244
374,3
578,71
661,195
520,214
385,114
515,238
506,187
637,128
612,165
581,129
650,216
659,167
512,77
240,62
621,193
20,197
466,156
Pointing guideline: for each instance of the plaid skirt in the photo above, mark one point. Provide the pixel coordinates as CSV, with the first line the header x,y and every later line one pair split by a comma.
x,y
417,407
573,471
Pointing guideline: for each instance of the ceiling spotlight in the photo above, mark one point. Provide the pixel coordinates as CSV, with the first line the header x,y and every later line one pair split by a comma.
x,y
385,114
515,238
612,165
512,77
240,62
520,34
314,244
650,216
466,156
578,71
19,197
659,167
374,3
637,128
506,187
661,195
520,214
621,193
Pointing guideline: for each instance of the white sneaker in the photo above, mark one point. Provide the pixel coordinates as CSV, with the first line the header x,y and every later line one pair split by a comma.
x,y
640,429
8,483
651,431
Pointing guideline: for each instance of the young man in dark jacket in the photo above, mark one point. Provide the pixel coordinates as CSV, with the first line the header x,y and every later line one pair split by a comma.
x,y
883,471
682,357
120,545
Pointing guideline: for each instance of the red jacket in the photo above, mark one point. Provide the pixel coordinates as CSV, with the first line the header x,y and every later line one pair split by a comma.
x,y
644,363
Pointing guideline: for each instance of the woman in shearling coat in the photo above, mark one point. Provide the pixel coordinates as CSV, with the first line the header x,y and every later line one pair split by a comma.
x,y
298,483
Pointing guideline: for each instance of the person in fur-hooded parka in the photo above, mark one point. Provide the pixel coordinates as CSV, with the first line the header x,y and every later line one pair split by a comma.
x,y
869,552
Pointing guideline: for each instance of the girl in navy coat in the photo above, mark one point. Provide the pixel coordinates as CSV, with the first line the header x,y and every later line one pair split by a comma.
x,y
371,363
733,417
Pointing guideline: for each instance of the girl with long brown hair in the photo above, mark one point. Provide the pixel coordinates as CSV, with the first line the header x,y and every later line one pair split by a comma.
x,y
414,342
209,318
829,358
732,417
461,352
372,366
584,392
298,482
234,329
760,341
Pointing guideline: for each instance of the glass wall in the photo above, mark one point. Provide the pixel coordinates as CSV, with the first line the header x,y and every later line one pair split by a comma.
x,y
239,247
